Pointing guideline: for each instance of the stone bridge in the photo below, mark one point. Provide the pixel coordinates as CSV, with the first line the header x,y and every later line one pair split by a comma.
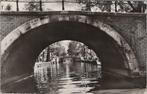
x,y
119,40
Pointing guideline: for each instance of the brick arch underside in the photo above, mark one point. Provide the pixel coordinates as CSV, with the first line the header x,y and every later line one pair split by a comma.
x,y
21,55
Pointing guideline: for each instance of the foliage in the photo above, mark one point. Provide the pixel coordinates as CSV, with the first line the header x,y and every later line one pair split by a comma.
x,y
137,6
57,49
52,51
125,6
32,6
75,48
81,50
8,7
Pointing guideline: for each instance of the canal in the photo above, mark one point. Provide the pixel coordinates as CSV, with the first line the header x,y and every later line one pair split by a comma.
x,y
67,77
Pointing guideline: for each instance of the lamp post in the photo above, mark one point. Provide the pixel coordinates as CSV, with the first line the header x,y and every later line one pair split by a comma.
x,y
116,6
63,5
17,7
40,3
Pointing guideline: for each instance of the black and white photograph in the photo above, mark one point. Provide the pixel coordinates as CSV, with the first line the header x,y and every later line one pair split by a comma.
x,y
73,46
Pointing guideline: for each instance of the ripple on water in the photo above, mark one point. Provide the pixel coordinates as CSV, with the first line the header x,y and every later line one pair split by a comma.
x,y
68,79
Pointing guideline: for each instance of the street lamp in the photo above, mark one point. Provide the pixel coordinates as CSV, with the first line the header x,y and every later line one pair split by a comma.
x,y
63,5
17,5
40,3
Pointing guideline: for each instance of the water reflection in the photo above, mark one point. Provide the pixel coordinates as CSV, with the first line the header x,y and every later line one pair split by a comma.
x,y
67,77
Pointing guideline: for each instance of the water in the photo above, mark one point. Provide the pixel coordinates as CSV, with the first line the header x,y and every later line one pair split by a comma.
x,y
67,77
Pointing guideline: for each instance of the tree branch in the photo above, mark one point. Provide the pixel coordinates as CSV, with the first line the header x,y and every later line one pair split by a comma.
x,y
129,2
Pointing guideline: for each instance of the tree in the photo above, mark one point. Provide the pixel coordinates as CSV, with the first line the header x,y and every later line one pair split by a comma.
x,y
125,6
80,50
75,48
57,49
137,6
105,5
8,7
89,4
52,51
71,48
33,6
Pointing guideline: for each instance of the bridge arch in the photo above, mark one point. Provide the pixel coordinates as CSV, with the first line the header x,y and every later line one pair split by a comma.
x,y
76,23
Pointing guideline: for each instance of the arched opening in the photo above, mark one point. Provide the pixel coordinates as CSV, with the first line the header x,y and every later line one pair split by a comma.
x,y
67,67
30,44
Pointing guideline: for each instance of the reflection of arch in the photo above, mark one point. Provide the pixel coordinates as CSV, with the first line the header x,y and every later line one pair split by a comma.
x,y
18,32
